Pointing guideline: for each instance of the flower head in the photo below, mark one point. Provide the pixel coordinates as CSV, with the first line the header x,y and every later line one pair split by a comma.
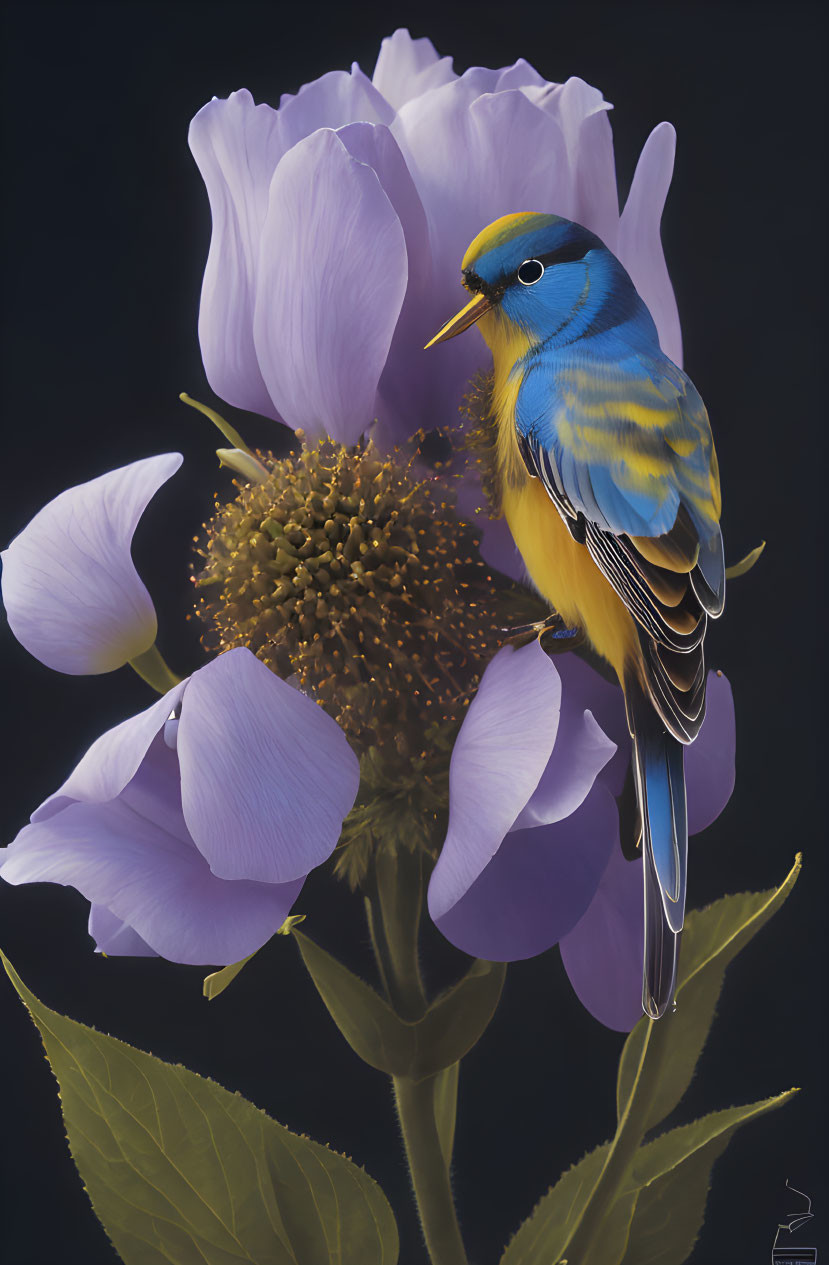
x,y
352,570
191,827
340,218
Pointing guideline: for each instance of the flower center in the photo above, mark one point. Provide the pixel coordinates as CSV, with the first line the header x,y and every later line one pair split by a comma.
x,y
352,570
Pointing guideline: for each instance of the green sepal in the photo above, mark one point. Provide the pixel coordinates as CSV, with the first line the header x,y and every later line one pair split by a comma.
x,y
711,939
745,564
673,1175
217,982
180,1170
452,1024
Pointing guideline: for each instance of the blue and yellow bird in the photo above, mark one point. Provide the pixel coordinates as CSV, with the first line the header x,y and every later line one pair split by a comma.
x,y
610,487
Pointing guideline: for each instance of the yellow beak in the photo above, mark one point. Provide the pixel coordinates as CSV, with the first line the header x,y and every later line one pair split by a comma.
x,y
466,317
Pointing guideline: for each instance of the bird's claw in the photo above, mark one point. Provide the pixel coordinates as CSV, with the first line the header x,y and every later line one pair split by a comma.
x,y
553,624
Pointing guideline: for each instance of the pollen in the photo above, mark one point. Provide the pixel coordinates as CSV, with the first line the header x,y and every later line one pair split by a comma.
x,y
335,569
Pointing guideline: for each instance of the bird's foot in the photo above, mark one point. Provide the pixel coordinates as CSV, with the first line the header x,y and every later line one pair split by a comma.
x,y
564,633
553,626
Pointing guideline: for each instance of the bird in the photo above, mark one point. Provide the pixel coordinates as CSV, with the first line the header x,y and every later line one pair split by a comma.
x,y
609,483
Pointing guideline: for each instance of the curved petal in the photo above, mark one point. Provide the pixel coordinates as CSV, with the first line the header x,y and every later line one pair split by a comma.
x,y
72,594
522,75
537,885
236,145
603,953
157,884
115,938
331,282
583,689
266,776
582,113
336,98
407,68
581,751
374,145
407,395
709,761
640,245
113,759
499,755
455,139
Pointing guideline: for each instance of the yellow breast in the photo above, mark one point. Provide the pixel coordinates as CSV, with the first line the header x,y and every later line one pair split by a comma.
x,y
560,568
563,572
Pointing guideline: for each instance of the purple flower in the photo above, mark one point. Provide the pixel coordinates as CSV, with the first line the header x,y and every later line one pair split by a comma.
x,y
532,855
191,827
72,594
340,219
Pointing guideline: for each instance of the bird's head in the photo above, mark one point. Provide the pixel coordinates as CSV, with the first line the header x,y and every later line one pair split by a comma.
x,y
528,269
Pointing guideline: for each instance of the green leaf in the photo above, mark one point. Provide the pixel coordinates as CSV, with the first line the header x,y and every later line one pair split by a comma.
x,y
675,1173
446,1108
658,1209
367,1022
610,1247
543,1236
447,1031
457,1019
180,1170
671,1046
587,1215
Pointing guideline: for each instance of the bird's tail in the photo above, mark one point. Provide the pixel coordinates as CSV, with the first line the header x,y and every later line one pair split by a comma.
x,y
660,784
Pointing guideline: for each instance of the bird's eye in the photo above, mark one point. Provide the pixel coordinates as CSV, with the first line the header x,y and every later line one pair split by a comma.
x,y
531,270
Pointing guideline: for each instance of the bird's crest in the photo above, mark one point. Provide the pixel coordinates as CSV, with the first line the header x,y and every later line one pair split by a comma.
x,y
504,230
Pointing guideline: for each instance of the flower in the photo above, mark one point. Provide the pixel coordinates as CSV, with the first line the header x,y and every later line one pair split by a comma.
x,y
339,222
532,855
191,827
340,219
72,594
349,569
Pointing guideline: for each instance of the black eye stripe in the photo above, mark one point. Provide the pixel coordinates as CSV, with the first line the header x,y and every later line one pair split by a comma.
x,y
567,254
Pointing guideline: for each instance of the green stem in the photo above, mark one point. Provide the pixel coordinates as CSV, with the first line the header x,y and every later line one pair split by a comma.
x,y
430,1176
393,906
629,1133
151,668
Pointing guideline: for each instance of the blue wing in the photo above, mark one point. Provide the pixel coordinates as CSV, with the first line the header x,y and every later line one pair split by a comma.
x,y
624,448
627,434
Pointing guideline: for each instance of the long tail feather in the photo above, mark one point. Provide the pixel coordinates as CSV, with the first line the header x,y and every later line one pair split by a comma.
x,y
660,781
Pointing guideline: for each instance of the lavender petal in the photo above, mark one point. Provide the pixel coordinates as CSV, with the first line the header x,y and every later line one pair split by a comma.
x,y
499,756
72,594
266,776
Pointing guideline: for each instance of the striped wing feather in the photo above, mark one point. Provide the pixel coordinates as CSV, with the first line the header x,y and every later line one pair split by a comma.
x,y
662,585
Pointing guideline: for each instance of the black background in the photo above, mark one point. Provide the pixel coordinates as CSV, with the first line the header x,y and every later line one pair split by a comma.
x,y
106,232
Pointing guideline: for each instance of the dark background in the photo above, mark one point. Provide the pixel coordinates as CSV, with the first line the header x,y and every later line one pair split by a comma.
x,y
106,232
